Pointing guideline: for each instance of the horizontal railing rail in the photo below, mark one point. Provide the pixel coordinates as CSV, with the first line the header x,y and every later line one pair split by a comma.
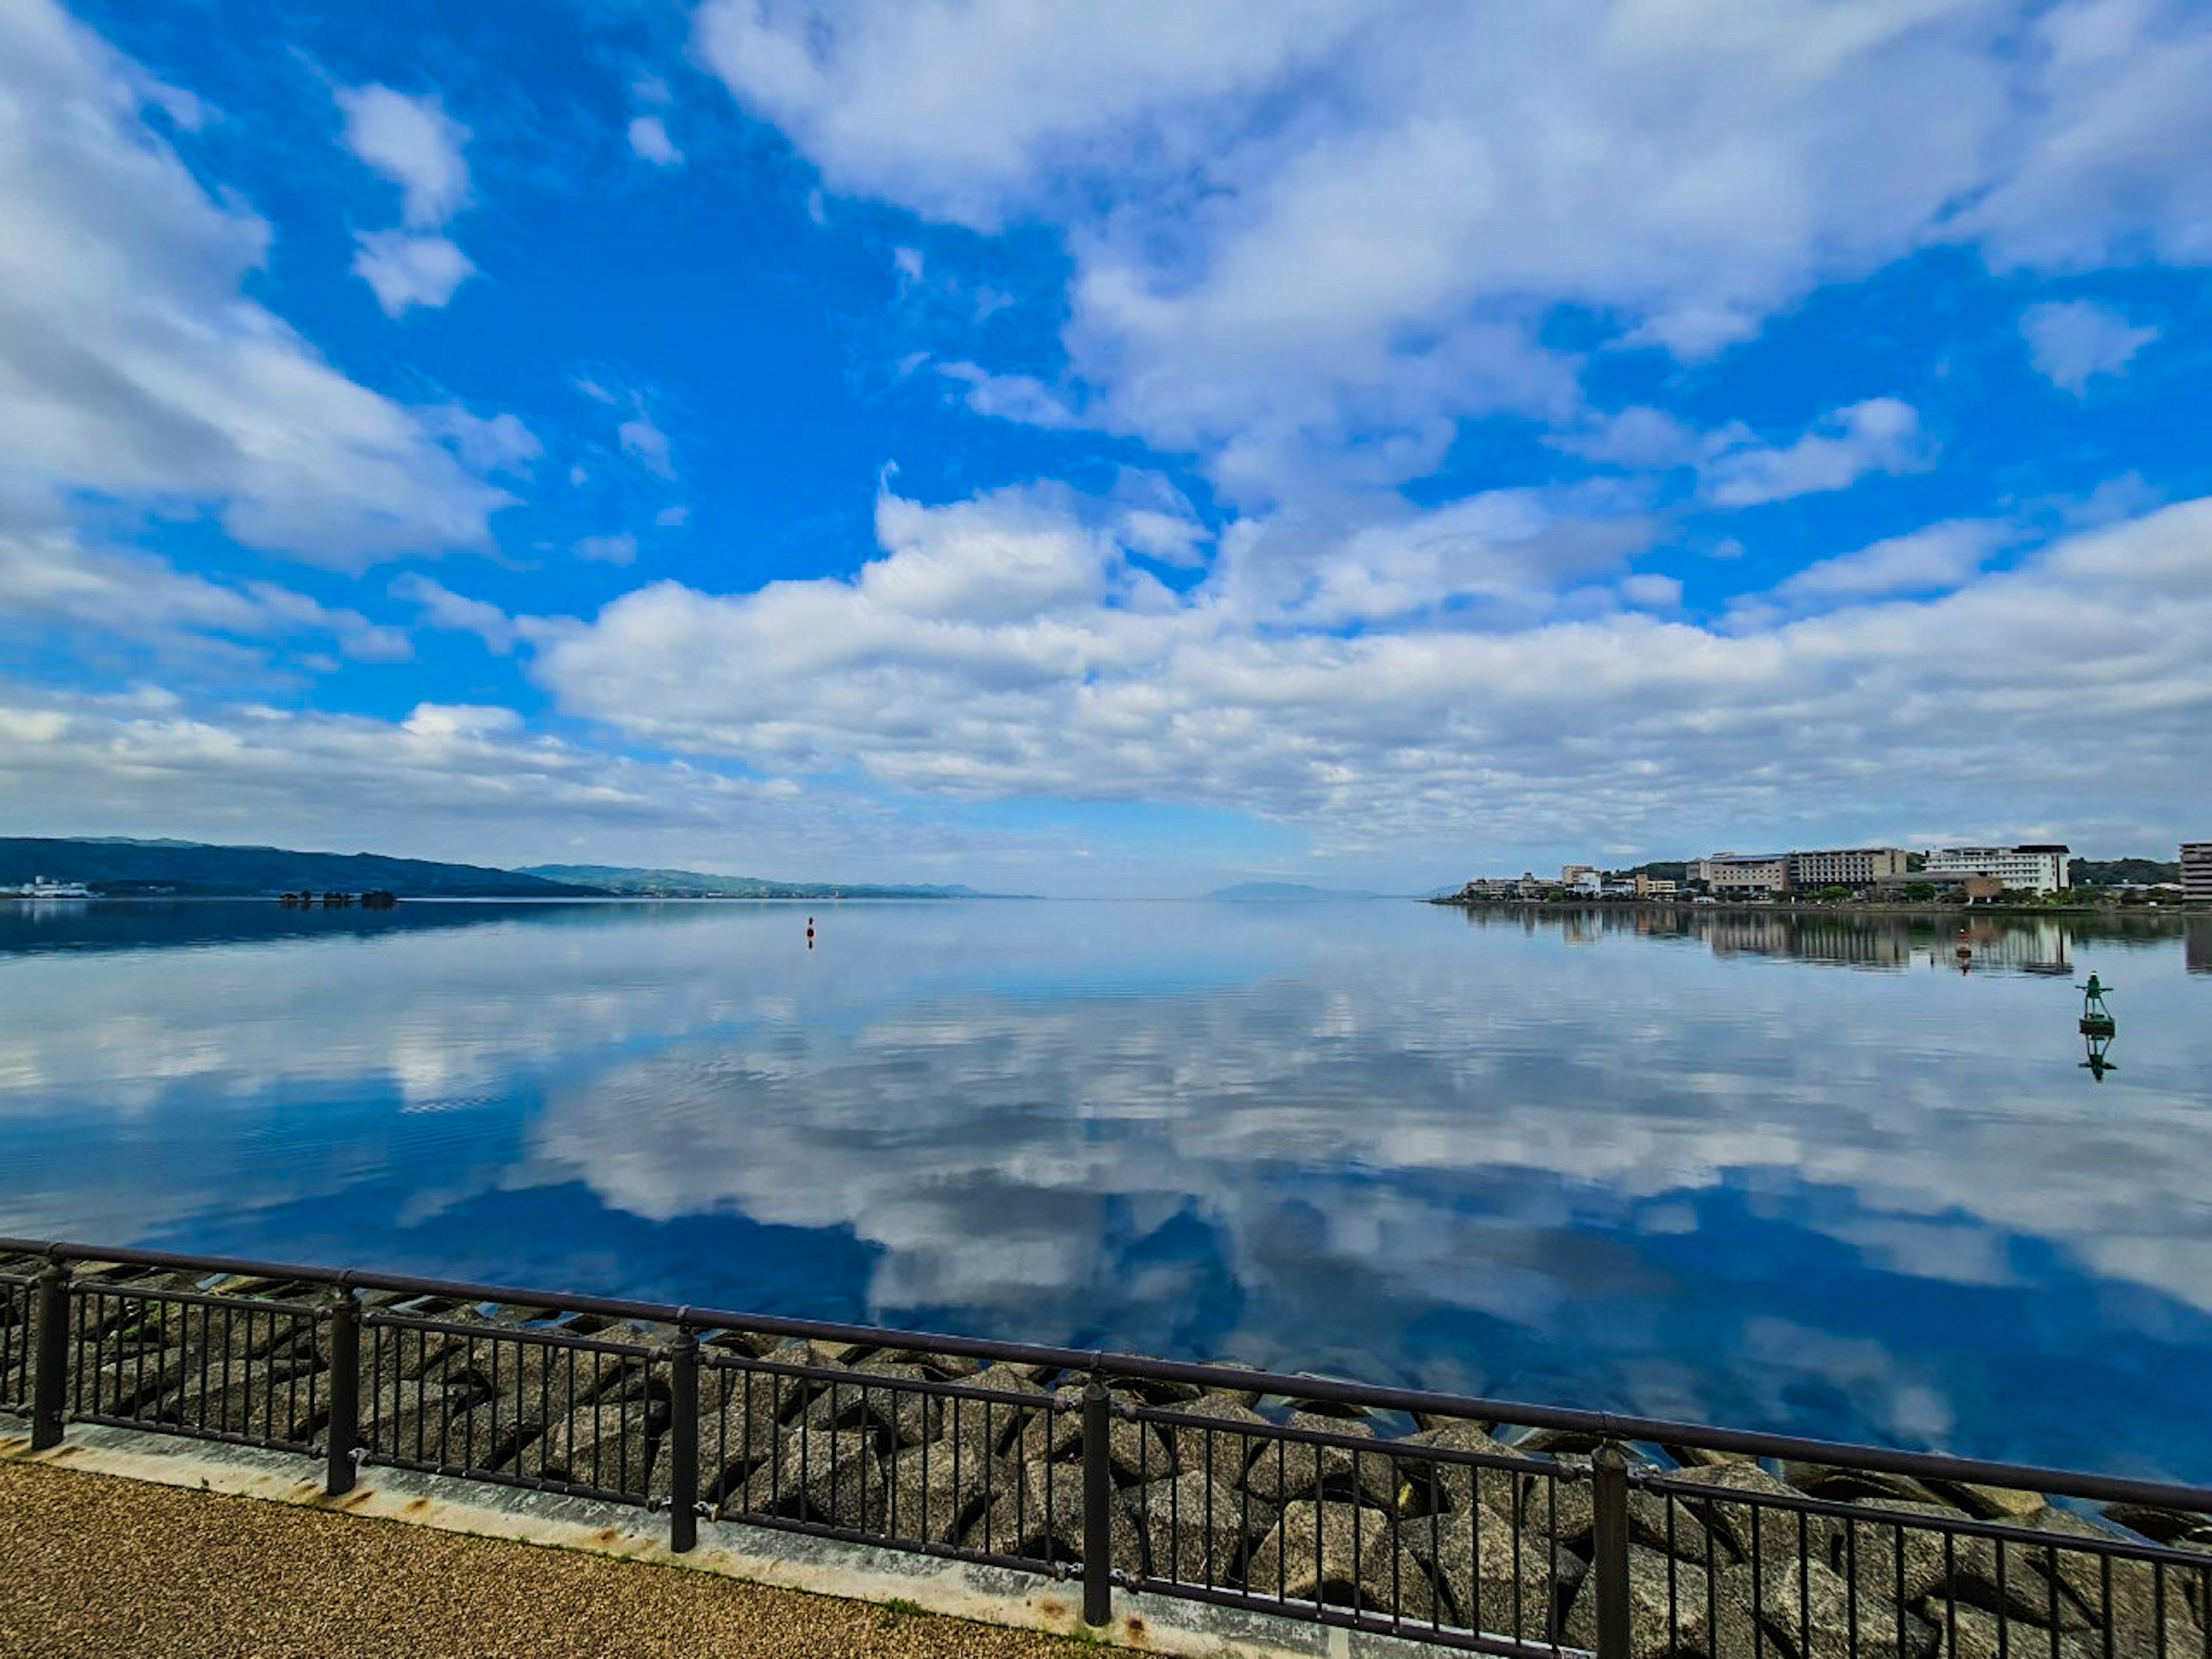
x,y
1396,1511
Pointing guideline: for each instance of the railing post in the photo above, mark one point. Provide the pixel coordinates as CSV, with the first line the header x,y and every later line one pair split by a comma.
x,y
1609,1558
1097,1506
50,1381
683,1443
345,1435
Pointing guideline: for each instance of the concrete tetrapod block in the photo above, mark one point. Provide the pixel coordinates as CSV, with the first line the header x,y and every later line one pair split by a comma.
x,y
1040,1518
1345,1555
1425,1485
1674,1607
1138,1452
1488,1584
938,1492
1199,1531
1811,1608
1905,1562
1285,1471
1224,1450
835,1479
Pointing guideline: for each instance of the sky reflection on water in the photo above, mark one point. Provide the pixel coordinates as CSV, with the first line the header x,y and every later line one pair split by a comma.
x,y
1697,1169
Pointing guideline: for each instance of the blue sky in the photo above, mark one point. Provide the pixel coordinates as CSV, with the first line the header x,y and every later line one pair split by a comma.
x,y
1118,450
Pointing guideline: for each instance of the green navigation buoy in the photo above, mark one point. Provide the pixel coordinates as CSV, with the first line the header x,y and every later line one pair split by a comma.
x,y
2096,1019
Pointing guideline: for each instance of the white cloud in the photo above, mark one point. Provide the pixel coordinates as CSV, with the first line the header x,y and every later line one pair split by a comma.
x,y
133,364
417,146
497,443
1308,239
413,143
409,271
1019,398
1407,684
620,549
49,579
1881,434
457,613
1637,437
2110,167
648,137
2072,341
641,439
1653,592
1942,555
471,782
672,518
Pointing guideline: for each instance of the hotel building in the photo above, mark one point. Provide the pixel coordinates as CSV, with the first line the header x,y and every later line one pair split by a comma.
x,y
2039,868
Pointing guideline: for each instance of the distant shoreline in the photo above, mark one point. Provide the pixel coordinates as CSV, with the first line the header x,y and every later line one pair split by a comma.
x,y
2183,907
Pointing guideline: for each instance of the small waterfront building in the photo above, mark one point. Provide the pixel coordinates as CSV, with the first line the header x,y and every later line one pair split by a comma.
x,y
2196,869
2039,867
1945,883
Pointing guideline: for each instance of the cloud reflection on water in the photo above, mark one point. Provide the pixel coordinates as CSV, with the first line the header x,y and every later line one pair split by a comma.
x,y
1687,1174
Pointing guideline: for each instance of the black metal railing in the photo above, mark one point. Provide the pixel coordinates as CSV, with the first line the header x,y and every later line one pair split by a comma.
x,y
1391,1510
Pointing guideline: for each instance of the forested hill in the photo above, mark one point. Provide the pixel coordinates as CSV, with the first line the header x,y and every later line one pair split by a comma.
x,y
2111,873
698,883
192,869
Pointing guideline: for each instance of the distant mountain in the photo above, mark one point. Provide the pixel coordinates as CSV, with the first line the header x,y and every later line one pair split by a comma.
x,y
1282,892
195,870
698,883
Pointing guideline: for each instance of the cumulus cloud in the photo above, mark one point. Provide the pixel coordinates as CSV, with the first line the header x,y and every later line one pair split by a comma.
x,y
1940,556
408,270
646,444
133,364
442,608
413,143
1404,684
2072,341
1305,233
449,780
50,580
2111,164
1881,434
649,139
1022,398
1637,437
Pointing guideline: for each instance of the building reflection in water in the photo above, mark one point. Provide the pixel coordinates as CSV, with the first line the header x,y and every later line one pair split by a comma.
x,y
2196,946
2023,945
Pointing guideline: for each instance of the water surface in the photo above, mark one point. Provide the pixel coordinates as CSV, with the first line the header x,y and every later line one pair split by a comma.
x,y
1805,1176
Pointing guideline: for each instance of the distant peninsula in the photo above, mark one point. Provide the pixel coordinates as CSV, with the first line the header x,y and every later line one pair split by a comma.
x,y
114,866
698,883
1282,892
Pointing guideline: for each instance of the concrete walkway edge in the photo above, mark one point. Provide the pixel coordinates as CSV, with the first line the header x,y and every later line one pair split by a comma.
x,y
761,1555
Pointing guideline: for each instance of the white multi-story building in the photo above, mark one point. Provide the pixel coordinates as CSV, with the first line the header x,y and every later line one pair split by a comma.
x,y
2039,868
2196,869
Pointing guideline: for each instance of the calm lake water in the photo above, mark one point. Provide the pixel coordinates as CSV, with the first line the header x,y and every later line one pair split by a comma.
x,y
1804,1175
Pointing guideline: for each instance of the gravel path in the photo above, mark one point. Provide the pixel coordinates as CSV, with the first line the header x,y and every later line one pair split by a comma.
x,y
96,1566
